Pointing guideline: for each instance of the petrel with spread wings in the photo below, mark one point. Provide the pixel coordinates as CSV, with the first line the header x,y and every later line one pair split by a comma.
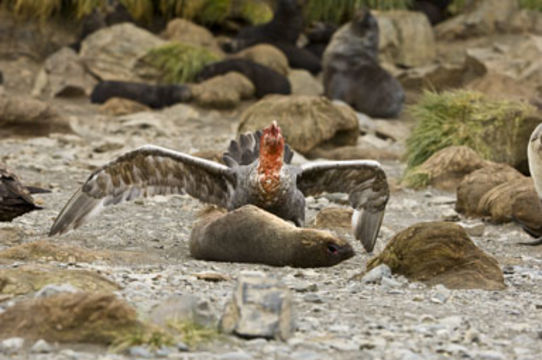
x,y
258,171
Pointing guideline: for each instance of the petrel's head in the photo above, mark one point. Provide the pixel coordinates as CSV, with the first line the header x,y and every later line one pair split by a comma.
x,y
272,141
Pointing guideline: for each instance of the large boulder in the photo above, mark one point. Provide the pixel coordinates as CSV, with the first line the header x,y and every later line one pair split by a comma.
x,y
440,253
475,185
406,38
223,91
112,53
63,74
266,55
445,169
186,32
304,83
484,17
25,116
306,121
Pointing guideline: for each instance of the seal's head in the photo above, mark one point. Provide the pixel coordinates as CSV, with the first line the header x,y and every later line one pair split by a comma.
x,y
320,248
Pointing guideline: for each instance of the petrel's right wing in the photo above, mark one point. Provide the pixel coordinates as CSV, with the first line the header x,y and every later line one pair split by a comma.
x,y
147,171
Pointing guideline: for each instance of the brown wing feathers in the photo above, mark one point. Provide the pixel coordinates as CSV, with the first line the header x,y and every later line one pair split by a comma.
x,y
146,171
363,180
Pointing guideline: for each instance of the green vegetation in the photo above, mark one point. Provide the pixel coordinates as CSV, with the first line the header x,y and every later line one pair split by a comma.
x,y
461,117
179,63
144,335
531,4
339,11
192,334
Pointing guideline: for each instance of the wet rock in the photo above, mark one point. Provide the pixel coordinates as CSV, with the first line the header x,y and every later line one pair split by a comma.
x,y
185,308
118,106
445,169
80,317
304,83
25,116
111,53
29,278
440,253
220,236
306,121
334,218
41,347
266,55
11,346
406,38
223,91
260,307
475,185
482,18
63,75
185,31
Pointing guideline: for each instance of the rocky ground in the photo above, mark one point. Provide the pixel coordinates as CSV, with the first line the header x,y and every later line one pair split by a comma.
x,y
335,317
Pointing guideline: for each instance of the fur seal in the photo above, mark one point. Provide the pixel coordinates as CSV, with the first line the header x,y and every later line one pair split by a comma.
x,y
250,234
265,80
155,96
534,155
352,73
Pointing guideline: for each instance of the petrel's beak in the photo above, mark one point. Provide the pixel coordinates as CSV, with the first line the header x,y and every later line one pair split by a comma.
x,y
274,128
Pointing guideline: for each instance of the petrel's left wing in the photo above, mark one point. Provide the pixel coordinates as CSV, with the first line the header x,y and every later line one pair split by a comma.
x,y
365,183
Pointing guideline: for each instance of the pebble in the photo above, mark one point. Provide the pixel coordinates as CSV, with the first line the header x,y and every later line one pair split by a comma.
x,y
440,294
389,282
53,289
140,351
313,298
376,274
41,347
11,346
474,229
181,346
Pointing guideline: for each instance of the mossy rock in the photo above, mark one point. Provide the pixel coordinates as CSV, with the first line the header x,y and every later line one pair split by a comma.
x,y
440,253
174,63
306,121
266,55
71,317
498,130
445,169
30,278
475,185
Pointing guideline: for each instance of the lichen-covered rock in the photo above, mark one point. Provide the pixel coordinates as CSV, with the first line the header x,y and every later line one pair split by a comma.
x,y
29,278
111,53
118,106
250,234
266,55
260,307
71,317
306,121
475,185
406,38
440,253
185,31
445,169
25,116
223,91
64,75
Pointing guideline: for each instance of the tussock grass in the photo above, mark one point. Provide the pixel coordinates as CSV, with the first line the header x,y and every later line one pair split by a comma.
x,y
192,334
179,63
458,117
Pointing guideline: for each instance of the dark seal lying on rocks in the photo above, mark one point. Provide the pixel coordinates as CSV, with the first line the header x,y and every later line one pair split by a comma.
x,y
352,73
250,234
155,96
266,80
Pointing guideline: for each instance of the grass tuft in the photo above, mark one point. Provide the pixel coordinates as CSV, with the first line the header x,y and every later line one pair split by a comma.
x,y
192,334
179,63
459,117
